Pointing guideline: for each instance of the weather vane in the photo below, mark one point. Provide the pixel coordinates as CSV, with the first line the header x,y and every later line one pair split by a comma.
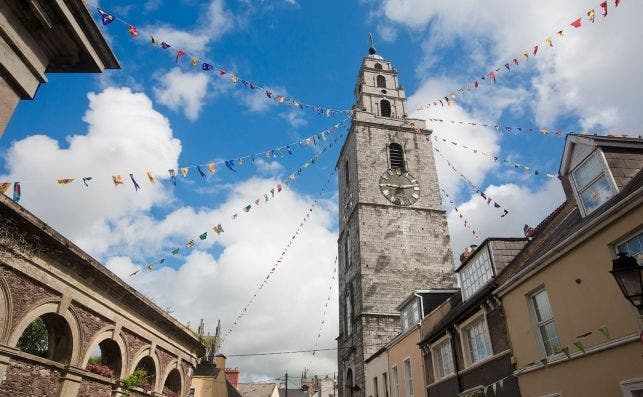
x,y
372,49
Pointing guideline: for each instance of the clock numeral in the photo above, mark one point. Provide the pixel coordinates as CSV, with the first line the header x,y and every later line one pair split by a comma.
x,y
416,196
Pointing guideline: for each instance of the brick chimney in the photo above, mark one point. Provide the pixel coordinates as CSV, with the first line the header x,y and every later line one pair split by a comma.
x,y
232,375
467,253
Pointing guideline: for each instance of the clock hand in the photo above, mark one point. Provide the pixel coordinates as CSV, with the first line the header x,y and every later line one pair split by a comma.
x,y
389,185
407,186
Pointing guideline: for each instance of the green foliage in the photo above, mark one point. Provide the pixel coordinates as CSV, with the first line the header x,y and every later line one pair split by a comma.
x,y
34,339
138,378
95,360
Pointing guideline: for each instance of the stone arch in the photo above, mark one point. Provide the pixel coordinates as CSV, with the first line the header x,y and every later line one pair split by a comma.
x,y
396,156
108,334
50,308
381,81
349,381
142,354
378,66
6,308
177,382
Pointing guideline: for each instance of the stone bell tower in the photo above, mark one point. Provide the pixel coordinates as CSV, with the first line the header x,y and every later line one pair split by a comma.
x,y
393,235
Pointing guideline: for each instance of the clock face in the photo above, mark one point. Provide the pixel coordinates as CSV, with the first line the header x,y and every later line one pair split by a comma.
x,y
399,187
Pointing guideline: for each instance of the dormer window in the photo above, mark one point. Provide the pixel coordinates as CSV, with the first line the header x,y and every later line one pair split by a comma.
x,y
475,273
410,315
592,183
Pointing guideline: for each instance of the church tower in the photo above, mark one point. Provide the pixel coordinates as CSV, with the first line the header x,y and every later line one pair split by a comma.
x,y
393,235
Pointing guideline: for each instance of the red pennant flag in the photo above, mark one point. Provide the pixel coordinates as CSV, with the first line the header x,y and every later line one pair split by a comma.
x,y
604,6
222,72
475,84
179,54
576,23
516,61
493,77
617,2
535,49
132,30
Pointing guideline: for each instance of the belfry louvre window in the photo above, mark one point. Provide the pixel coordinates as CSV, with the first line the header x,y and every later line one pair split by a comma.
x,y
396,156
381,81
385,108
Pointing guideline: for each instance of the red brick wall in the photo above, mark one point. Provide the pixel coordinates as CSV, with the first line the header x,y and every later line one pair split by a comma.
x,y
165,358
93,388
134,343
90,323
27,379
24,292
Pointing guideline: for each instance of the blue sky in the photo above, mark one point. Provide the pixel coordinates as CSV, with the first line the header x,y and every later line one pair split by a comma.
x,y
157,114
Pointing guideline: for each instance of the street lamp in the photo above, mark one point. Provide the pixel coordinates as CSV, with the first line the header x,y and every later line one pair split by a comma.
x,y
629,277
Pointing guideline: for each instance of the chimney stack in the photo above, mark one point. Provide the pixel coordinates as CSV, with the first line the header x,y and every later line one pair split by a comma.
x,y
232,375
467,253
219,361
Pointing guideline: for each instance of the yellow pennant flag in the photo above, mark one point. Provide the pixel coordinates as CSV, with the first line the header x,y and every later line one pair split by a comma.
x,y
190,244
212,167
280,99
234,79
544,131
150,176
268,154
549,41
184,171
590,15
118,179
65,181
526,55
195,61
4,186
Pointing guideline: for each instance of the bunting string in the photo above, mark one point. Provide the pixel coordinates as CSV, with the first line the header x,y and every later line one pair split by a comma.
x,y
490,77
211,167
280,258
200,62
496,158
467,223
324,311
265,198
536,130
477,189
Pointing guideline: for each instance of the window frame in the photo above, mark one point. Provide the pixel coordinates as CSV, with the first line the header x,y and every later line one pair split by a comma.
x,y
395,381
463,329
605,171
437,363
348,315
408,377
379,79
390,108
376,389
470,263
625,239
402,153
385,384
537,324
347,251
630,385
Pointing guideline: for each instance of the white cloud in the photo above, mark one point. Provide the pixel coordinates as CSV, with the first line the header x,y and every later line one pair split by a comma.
x,y
124,134
268,167
387,32
587,74
294,118
213,23
526,206
223,284
257,100
184,91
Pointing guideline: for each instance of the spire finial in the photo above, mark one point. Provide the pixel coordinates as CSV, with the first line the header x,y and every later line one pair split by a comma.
x,y
372,50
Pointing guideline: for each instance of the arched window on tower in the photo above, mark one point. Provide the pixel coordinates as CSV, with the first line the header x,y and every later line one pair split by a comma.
x,y
385,108
347,251
396,156
381,81
348,320
349,382
378,66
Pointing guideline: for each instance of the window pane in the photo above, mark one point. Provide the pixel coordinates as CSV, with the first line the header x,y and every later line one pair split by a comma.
x,y
444,359
541,306
588,171
632,247
550,338
596,194
476,273
478,343
409,377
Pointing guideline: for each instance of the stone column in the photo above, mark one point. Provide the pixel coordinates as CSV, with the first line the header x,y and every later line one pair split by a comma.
x,y
69,384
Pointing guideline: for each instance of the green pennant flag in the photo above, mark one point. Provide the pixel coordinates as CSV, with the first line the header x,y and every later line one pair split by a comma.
x,y
606,333
203,236
545,362
247,208
175,251
218,229
566,351
580,347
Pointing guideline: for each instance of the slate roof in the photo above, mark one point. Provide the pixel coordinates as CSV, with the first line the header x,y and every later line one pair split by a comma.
x,y
293,393
232,392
